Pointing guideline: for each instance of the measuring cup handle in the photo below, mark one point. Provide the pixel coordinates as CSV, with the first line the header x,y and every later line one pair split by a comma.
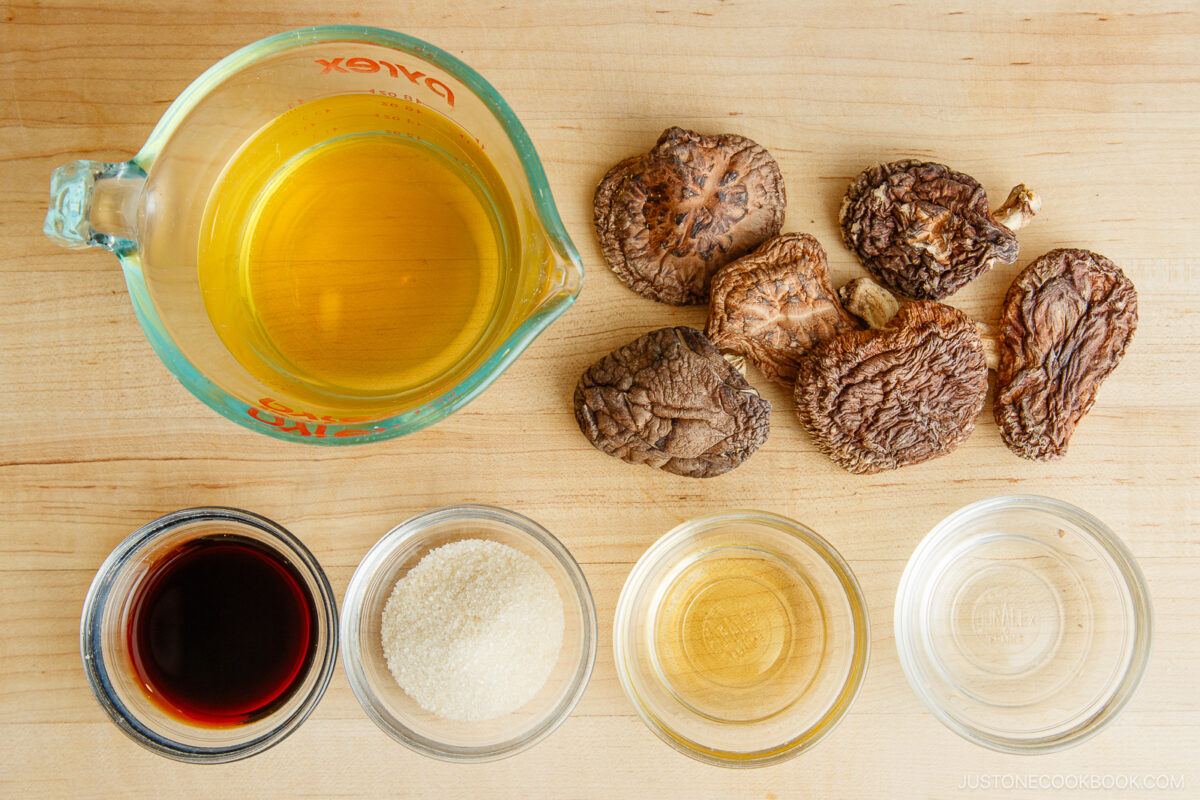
x,y
94,204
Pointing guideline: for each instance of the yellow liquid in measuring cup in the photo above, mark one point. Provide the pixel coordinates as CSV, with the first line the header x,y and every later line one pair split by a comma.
x,y
344,259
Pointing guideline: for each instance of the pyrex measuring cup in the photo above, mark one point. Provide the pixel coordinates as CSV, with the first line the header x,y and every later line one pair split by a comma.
x,y
156,212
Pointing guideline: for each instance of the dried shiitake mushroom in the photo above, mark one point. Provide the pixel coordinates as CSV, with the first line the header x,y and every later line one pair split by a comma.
x,y
1066,321
883,399
668,219
773,305
669,400
925,230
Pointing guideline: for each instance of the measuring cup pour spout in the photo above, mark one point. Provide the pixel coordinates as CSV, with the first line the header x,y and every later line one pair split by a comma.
x,y
94,204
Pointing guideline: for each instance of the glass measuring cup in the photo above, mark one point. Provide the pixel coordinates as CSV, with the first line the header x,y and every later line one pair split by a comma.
x,y
155,213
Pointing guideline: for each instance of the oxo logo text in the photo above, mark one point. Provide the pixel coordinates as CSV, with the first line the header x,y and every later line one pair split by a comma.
x,y
368,65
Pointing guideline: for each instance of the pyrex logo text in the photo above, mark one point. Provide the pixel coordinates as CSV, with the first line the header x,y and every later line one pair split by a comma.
x,y
367,65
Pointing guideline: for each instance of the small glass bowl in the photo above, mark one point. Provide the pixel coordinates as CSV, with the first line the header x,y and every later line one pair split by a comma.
x,y
1023,623
387,703
108,662
741,638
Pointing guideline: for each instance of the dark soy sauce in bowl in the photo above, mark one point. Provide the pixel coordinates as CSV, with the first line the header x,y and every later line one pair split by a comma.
x,y
221,631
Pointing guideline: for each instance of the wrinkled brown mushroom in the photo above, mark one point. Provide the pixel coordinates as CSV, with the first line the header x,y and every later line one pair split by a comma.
x,y
668,219
669,400
773,305
925,230
883,399
1066,321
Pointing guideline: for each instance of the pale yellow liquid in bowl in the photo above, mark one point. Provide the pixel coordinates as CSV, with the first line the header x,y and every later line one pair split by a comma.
x,y
739,635
368,264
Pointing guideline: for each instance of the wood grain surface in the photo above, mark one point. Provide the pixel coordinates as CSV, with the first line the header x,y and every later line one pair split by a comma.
x,y
1098,109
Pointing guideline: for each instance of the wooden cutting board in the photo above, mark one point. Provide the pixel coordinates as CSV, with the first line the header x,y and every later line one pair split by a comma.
x,y
1098,110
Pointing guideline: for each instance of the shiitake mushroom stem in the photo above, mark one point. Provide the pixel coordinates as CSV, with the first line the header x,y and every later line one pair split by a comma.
x,y
990,337
868,300
1021,206
871,302
736,360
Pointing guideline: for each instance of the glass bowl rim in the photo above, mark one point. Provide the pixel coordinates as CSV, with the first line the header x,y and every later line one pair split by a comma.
x,y
411,530
858,611
90,634
1124,567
